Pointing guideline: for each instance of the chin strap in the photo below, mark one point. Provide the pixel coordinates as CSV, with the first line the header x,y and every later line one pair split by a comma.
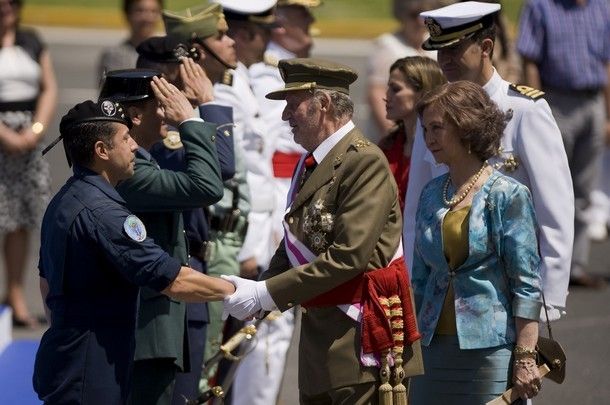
x,y
199,41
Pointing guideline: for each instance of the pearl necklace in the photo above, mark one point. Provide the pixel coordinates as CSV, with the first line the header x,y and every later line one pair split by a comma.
x,y
456,200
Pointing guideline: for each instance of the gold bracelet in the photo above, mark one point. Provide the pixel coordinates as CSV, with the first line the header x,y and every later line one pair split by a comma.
x,y
521,352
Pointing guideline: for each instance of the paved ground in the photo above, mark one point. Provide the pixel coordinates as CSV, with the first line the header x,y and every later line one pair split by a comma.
x,y
584,332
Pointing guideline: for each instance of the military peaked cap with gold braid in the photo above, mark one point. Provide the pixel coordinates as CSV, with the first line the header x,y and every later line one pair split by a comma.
x,y
195,22
456,22
310,73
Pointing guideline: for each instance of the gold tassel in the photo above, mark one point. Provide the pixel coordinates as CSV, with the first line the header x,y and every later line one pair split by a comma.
x,y
399,391
385,389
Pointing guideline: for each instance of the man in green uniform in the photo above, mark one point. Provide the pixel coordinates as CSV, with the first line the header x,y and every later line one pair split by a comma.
x,y
341,257
158,197
204,28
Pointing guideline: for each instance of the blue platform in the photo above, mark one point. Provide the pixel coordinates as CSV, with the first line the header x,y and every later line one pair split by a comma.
x,y
16,368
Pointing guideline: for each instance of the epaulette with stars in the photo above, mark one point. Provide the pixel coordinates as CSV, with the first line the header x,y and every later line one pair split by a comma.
x,y
527,91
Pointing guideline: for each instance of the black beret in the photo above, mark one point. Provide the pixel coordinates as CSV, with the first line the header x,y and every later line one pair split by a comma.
x,y
89,111
165,50
128,85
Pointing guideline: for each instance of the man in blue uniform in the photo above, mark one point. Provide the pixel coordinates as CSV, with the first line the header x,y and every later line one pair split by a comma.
x,y
94,254
158,197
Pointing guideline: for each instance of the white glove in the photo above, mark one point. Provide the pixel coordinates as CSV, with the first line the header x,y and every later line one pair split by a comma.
x,y
250,298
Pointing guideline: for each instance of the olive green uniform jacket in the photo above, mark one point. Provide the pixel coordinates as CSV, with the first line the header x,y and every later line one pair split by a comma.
x,y
157,197
354,184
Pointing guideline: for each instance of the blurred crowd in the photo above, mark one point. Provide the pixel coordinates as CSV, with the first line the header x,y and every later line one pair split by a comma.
x,y
497,139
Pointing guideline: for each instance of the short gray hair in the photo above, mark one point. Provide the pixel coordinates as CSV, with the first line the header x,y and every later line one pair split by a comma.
x,y
343,106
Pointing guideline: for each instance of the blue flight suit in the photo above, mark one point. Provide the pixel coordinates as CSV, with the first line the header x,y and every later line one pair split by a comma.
x,y
197,232
93,268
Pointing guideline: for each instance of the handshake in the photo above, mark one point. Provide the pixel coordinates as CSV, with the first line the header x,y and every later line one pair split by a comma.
x,y
250,299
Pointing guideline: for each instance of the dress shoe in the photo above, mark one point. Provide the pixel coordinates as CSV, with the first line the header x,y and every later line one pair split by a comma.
x,y
586,280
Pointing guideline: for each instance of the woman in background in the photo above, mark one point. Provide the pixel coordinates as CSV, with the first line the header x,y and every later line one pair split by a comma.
x,y
143,17
475,278
28,95
410,78
405,41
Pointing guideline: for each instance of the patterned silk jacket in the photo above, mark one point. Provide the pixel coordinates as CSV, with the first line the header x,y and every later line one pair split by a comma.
x,y
499,280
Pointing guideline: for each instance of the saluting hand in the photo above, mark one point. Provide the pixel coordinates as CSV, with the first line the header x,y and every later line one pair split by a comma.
x,y
198,88
173,105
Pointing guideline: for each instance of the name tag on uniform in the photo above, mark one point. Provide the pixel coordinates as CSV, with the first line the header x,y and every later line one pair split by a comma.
x,y
134,228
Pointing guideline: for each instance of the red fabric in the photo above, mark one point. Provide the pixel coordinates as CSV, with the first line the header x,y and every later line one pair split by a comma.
x,y
284,164
399,164
310,161
366,289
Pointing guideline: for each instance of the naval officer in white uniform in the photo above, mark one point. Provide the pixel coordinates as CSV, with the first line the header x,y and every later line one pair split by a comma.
x,y
532,149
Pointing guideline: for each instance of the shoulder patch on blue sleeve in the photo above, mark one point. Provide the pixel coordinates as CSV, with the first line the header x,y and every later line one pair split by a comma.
x,y
134,228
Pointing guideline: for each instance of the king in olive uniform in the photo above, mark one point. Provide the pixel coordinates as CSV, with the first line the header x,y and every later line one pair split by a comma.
x,y
341,248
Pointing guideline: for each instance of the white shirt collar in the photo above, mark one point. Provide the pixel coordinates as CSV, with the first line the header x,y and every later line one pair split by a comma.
x,y
324,148
494,83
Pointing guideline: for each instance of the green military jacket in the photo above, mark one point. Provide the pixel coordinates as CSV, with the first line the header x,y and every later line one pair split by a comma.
x,y
158,197
355,191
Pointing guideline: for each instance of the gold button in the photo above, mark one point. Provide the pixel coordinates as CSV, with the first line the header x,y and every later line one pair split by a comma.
x,y
290,220
290,305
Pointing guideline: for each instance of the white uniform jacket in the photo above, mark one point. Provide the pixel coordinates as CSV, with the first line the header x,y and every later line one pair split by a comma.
x,y
252,130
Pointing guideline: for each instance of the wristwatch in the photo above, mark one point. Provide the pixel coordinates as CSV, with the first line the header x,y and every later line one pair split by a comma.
x,y
37,128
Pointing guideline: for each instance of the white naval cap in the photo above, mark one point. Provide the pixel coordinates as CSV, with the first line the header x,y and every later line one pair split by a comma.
x,y
246,7
451,24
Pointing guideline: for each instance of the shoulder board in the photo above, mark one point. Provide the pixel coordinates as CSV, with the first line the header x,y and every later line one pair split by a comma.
x,y
172,140
227,77
270,60
527,91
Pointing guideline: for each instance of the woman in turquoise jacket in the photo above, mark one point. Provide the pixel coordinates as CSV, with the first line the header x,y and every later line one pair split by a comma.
x,y
476,265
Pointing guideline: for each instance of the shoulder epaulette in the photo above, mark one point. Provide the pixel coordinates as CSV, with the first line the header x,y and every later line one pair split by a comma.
x,y
361,143
527,91
227,77
270,60
172,140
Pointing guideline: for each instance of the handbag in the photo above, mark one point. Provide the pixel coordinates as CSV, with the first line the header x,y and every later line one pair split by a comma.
x,y
550,352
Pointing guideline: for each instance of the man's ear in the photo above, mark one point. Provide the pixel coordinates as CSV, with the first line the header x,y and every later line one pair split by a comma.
x,y
100,149
325,102
135,114
487,47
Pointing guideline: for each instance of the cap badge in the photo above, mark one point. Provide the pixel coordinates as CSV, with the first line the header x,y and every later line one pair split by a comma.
x,y
181,51
108,108
134,228
433,26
